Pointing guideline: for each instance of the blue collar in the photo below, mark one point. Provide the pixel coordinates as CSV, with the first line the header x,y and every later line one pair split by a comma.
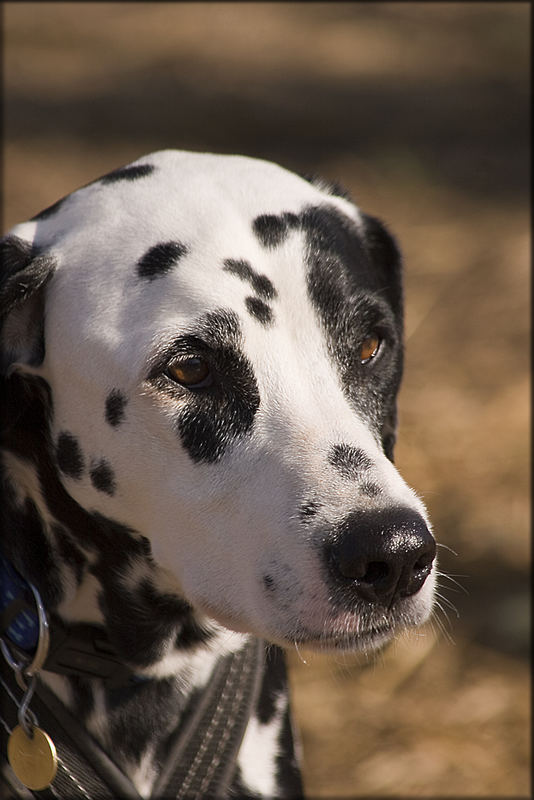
x,y
18,617
80,649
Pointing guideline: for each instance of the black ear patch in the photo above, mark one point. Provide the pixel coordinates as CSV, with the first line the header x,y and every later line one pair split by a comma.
x,y
24,275
385,257
23,272
347,261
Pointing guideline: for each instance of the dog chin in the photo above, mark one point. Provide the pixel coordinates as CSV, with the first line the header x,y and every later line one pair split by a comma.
x,y
341,635
363,641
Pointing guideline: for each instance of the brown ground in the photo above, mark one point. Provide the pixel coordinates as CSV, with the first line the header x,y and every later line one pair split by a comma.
x,y
420,109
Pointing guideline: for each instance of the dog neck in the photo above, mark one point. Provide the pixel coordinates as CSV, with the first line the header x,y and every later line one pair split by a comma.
x,y
94,574
88,568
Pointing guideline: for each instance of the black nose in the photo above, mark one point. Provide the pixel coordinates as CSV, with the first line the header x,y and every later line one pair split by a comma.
x,y
384,555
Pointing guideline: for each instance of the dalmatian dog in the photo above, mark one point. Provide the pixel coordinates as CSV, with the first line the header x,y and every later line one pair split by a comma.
x,y
200,358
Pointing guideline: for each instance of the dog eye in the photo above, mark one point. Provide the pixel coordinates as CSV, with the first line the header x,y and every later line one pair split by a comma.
x,y
369,348
194,373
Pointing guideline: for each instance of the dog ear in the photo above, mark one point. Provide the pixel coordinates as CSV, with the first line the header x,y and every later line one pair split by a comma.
x,y
389,431
386,260
23,276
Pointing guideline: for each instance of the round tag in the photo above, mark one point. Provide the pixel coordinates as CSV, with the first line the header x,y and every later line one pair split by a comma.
x,y
34,761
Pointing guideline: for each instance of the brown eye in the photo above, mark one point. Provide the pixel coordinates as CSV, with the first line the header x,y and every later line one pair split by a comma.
x,y
369,348
194,372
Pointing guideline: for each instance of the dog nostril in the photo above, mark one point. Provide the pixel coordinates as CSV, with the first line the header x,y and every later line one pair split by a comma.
x,y
420,572
370,579
376,571
425,561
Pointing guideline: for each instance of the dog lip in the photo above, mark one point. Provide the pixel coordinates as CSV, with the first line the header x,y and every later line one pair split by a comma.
x,y
350,640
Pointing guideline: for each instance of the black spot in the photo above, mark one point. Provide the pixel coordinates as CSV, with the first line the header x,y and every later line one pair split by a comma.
x,y
212,418
269,583
221,327
160,705
69,552
308,510
103,477
191,632
128,173
160,259
350,461
288,776
69,455
260,283
49,211
115,405
274,684
207,437
271,229
141,618
259,310
370,489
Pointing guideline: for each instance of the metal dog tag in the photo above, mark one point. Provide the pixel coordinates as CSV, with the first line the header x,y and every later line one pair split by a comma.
x,y
34,761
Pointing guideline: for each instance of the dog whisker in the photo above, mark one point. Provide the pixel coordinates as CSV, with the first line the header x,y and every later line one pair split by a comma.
x,y
453,580
299,654
446,547
437,623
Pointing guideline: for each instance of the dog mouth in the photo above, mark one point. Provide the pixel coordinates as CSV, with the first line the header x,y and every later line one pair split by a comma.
x,y
371,638
346,634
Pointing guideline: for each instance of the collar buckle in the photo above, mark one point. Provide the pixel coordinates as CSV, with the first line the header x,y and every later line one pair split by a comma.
x,y
84,650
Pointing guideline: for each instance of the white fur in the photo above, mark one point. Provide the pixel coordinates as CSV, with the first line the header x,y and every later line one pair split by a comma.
x,y
258,772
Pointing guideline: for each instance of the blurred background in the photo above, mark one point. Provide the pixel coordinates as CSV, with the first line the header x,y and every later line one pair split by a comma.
x,y
422,111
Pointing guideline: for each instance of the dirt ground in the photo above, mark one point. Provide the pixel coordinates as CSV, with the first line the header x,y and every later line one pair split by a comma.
x,y
421,111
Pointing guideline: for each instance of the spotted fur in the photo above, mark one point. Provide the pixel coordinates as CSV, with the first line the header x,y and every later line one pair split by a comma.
x,y
184,519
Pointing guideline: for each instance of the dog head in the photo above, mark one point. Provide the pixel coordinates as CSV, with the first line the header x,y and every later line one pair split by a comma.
x,y
222,345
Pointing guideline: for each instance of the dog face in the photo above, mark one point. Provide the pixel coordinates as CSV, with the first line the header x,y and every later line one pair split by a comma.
x,y
223,344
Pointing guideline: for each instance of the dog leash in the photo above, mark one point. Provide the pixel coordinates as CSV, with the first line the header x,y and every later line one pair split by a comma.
x,y
54,757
